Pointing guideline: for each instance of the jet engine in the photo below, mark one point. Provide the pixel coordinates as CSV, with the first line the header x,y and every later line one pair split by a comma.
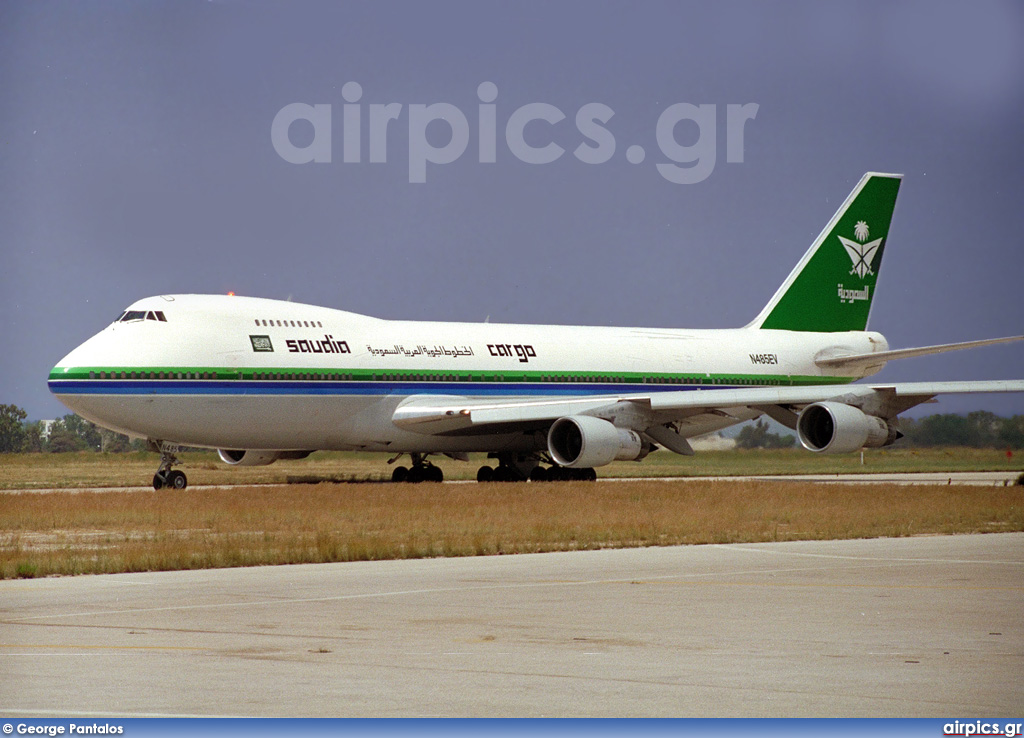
x,y
837,428
258,458
582,442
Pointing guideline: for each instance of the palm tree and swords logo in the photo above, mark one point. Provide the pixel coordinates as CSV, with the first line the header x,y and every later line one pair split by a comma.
x,y
862,254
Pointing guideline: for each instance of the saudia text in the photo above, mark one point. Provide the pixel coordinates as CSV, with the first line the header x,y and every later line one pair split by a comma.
x,y
327,346
848,296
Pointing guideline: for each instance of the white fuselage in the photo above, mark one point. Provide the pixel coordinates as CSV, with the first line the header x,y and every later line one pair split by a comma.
x,y
250,373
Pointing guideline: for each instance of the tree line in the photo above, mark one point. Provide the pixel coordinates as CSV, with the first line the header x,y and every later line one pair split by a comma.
x,y
70,433
980,429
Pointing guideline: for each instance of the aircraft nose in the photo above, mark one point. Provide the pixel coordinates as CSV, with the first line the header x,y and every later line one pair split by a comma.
x,y
62,370
75,365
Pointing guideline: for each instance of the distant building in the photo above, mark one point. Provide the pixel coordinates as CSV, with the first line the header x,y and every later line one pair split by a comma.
x,y
44,428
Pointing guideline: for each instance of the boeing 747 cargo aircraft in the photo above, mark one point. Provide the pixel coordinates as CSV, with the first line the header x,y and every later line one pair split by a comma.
x,y
262,380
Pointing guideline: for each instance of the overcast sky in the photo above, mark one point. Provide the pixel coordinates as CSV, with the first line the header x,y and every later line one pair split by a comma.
x,y
137,158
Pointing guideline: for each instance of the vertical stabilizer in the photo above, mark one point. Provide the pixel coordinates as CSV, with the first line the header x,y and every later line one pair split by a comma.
x,y
832,287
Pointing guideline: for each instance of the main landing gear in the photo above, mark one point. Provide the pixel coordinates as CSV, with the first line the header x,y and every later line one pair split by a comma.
x,y
562,474
503,473
166,476
420,471
511,468
520,468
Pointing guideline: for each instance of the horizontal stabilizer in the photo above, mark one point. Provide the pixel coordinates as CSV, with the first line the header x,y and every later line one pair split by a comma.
x,y
883,356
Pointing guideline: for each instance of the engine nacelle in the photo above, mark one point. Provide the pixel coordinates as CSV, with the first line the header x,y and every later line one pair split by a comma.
x,y
257,458
582,442
837,428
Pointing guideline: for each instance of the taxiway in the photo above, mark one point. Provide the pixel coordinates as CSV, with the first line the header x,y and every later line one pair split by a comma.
x,y
927,626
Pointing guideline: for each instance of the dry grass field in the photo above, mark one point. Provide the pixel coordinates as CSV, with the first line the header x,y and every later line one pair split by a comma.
x,y
66,533
48,471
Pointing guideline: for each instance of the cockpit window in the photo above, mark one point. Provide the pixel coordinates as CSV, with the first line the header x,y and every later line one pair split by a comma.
x,y
128,315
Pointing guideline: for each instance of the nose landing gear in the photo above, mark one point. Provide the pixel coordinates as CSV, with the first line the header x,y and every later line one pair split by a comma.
x,y
166,476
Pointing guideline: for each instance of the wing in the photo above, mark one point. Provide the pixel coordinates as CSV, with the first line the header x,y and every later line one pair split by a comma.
x,y
650,413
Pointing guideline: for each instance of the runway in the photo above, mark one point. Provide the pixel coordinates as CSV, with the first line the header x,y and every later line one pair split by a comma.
x,y
927,627
973,478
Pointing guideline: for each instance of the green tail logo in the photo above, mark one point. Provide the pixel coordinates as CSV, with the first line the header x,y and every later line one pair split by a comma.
x,y
832,287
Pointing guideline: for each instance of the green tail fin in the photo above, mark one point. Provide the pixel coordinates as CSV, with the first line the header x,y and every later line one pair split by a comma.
x,y
832,287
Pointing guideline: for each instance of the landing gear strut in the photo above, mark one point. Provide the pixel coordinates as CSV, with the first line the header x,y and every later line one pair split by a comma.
x,y
421,471
166,476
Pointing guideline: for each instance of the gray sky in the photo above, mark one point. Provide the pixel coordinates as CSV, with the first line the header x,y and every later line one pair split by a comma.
x,y
137,159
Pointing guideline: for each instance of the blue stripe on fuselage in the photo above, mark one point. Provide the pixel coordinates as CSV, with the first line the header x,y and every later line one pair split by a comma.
x,y
289,387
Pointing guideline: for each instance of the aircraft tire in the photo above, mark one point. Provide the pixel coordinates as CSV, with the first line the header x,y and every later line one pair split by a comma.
x,y
400,474
177,479
485,474
558,474
539,474
158,481
504,474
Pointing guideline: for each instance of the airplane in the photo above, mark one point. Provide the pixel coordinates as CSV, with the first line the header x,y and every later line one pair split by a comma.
x,y
261,380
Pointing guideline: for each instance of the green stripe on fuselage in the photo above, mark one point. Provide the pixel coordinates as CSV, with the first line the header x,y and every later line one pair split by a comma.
x,y
376,375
